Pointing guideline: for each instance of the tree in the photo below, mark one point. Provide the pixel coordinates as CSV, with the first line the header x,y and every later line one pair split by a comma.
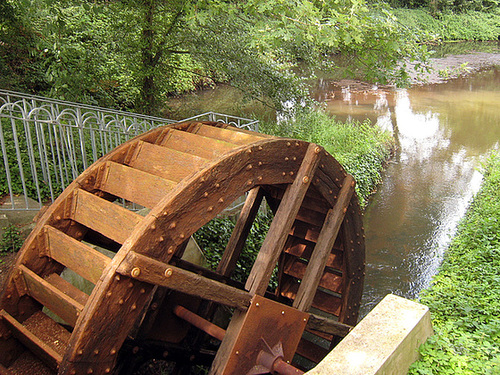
x,y
131,53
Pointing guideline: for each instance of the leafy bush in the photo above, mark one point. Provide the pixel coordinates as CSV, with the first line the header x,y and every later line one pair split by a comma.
x,y
470,25
213,238
463,298
361,148
11,240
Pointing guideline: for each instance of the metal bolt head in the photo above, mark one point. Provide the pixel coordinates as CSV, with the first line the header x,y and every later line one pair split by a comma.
x,y
305,180
168,272
136,271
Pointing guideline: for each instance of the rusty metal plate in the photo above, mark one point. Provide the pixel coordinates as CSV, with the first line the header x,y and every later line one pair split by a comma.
x,y
267,321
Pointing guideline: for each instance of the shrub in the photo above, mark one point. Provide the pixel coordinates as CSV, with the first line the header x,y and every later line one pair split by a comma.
x,y
11,240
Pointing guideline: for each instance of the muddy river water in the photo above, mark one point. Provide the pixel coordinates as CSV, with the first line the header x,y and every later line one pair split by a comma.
x,y
442,132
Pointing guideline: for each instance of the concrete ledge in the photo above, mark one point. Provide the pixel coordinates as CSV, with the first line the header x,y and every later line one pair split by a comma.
x,y
386,341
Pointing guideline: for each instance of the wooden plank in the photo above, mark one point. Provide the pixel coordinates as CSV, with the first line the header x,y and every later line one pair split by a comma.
x,y
165,162
84,260
197,145
301,248
51,357
354,265
109,219
311,351
67,288
134,185
240,232
297,268
274,242
323,301
48,295
325,325
233,135
154,272
326,239
305,231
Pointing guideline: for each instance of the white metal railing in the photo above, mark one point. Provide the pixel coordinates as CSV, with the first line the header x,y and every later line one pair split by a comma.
x,y
46,143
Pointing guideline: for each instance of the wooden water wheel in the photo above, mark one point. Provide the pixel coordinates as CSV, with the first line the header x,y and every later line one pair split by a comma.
x,y
145,294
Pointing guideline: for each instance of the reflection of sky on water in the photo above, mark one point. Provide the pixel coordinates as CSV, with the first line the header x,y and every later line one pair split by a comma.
x,y
429,183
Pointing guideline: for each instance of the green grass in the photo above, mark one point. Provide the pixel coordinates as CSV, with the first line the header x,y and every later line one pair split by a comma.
x,y
450,27
464,298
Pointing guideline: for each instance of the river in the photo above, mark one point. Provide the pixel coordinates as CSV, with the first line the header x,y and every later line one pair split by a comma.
x,y
442,132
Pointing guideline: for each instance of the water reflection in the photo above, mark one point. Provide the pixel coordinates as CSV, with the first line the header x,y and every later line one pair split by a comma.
x,y
441,132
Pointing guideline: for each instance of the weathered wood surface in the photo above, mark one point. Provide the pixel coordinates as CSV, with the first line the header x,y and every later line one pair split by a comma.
x,y
75,255
149,270
187,174
321,252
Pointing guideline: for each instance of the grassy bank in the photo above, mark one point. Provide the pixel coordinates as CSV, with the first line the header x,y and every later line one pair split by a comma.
x,y
361,148
464,298
470,25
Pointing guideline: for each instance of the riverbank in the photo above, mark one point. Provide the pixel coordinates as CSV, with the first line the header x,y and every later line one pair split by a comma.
x,y
464,298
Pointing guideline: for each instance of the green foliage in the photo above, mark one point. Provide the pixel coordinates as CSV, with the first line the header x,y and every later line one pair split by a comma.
x,y
131,54
11,240
213,238
470,25
361,148
463,298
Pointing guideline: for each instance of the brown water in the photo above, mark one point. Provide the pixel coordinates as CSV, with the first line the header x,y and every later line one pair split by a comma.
x,y
442,132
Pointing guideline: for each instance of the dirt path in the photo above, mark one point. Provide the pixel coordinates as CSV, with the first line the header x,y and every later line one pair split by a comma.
x,y
453,66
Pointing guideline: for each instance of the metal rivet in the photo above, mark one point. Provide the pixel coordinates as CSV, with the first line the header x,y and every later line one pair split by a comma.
x,y
249,182
205,194
58,218
249,166
259,178
73,372
283,312
168,272
260,147
294,158
284,173
136,271
130,284
317,150
237,352
112,351
259,163
170,250
209,209
249,150
133,307
305,180
117,278
217,185
142,291
79,352
96,352
288,144
162,238
120,302
291,173
221,200
172,225
297,144
108,294
257,304
286,158
108,370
